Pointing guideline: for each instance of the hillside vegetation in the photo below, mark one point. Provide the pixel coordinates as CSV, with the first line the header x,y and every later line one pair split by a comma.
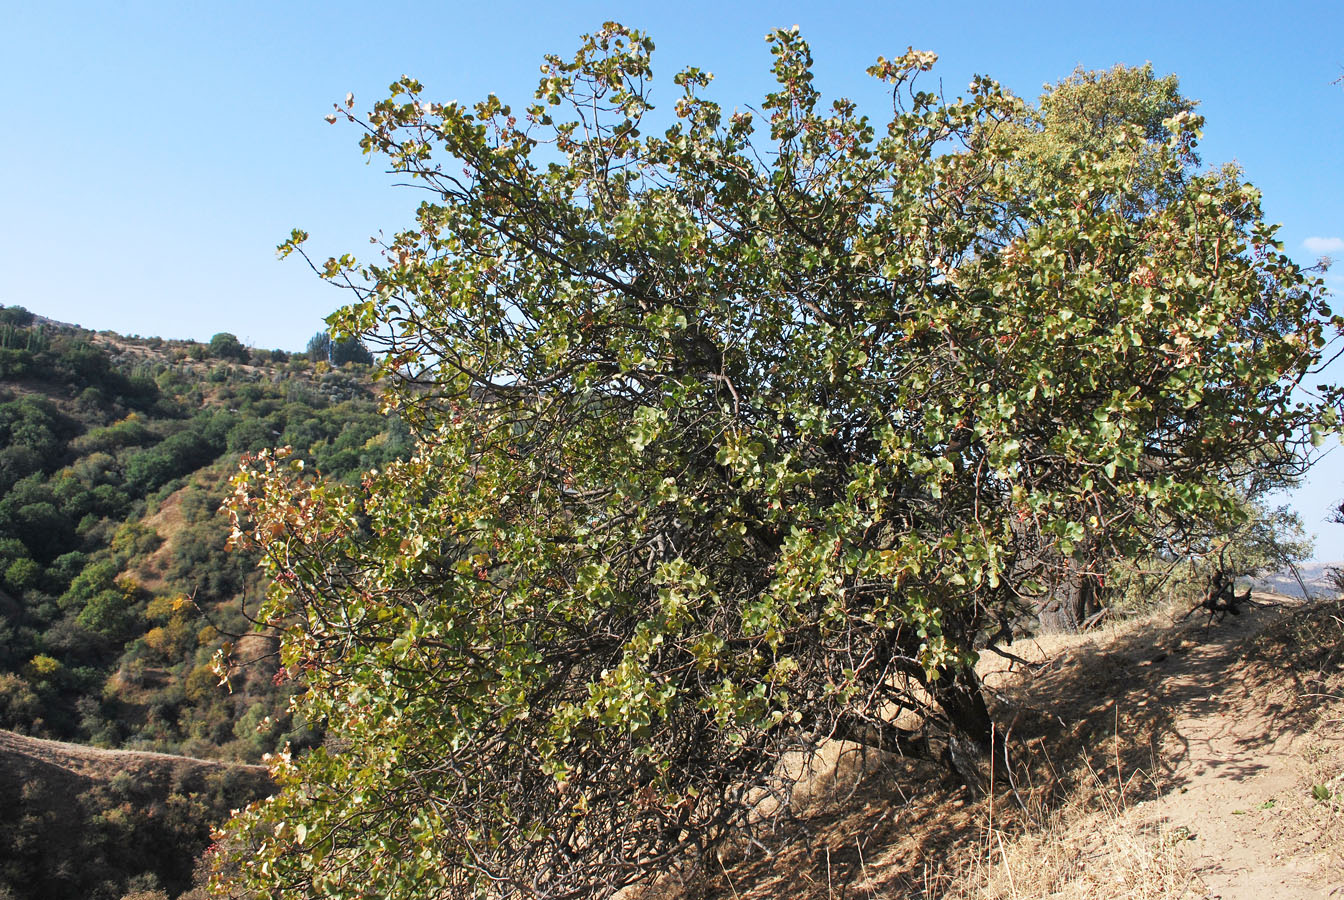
x,y
115,586
86,823
117,591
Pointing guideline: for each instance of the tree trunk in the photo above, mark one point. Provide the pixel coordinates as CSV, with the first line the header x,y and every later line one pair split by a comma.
x,y
1087,602
971,736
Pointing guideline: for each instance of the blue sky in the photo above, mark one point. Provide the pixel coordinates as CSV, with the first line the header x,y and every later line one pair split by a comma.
x,y
154,154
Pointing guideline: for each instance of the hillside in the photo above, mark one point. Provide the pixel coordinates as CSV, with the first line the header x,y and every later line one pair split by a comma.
x,y
117,592
1317,578
115,587
1154,759
82,822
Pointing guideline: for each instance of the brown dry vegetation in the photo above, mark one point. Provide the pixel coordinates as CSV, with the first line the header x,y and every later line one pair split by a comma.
x,y
30,760
167,521
1154,758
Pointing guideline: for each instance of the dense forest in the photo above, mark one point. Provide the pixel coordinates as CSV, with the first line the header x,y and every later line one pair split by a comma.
x,y
117,592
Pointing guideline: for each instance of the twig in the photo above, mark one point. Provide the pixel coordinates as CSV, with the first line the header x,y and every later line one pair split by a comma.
x,y
729,879
1119,777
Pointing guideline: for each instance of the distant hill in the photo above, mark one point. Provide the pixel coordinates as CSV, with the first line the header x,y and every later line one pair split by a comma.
x,y
116,590
115,586
87,823
1315,575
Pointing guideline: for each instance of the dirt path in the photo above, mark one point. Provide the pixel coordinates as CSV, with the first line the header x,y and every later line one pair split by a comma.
x,y
1156,759
1237,756
83,758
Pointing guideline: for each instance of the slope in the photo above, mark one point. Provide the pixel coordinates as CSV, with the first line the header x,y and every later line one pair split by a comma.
x,y
76,821
117,591
115,453
1156,758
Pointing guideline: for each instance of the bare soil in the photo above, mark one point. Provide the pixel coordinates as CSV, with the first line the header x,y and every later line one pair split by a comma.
x,y
1242,757
1154,758
22,756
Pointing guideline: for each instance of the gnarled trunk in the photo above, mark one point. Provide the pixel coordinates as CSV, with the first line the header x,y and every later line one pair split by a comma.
x,y
971,734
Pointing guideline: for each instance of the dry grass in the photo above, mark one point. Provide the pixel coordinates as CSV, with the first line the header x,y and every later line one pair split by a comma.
x,y
1092,846
1093,740
169,521
1304,656
1101,840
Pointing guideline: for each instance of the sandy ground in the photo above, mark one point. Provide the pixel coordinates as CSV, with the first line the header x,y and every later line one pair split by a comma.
x,y
1239,757
1156,758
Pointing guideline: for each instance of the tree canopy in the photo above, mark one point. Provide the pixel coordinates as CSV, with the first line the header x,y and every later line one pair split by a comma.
x,y
736,435
321,348
227,346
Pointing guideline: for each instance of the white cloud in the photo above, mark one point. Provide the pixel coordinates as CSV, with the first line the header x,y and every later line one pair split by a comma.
x,y
1324,244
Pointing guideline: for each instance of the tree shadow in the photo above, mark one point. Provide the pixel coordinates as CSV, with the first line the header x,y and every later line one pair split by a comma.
x,y
1107,719
1124,706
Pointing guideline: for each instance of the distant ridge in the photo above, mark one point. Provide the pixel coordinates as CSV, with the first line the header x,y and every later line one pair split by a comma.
x,y
81,760
78,821
1315,575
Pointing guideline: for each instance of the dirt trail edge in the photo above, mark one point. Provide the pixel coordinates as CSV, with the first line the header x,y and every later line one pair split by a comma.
x,y
83,759
1238,759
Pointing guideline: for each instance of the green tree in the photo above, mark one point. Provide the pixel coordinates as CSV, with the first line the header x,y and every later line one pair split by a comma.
x,y
227,346
729,442
319,347
16,316
173,457
350,350
1088,114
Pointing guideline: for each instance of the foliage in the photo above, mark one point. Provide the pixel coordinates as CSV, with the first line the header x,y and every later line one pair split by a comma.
x,y
1085,113
728,443
350,351
227,346
15,316
321,348
110,467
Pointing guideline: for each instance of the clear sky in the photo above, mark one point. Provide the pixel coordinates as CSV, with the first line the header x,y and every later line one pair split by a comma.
x,y
153,154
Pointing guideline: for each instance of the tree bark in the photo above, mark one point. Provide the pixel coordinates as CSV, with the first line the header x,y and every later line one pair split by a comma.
x,y
1087,602
971,734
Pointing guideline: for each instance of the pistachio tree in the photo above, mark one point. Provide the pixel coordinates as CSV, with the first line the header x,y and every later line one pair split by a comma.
x,y
736,432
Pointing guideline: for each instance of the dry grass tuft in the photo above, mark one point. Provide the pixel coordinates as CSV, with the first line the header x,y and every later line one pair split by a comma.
x,y
1093,738
1090,847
